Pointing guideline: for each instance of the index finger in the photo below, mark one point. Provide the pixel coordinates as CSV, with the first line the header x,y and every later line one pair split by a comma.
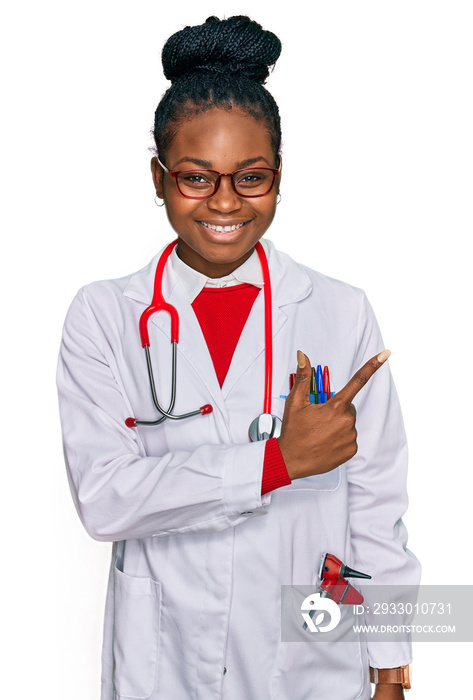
x,y
361,378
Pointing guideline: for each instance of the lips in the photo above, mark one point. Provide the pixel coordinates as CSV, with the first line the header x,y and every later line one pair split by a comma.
x,y
223,229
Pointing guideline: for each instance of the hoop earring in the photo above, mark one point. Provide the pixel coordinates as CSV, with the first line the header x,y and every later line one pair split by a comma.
x,y
158,205
279,198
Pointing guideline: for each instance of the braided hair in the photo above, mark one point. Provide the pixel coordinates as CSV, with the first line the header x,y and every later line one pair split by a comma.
x,y
221,63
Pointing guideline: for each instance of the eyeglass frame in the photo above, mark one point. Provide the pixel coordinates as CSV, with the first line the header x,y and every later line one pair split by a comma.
x,y
175,173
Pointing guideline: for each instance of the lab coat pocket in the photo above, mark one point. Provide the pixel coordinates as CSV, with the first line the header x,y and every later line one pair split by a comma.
x,y
277,406
136,635
329,481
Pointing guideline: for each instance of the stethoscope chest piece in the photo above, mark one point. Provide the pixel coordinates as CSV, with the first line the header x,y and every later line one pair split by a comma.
x,y
264,427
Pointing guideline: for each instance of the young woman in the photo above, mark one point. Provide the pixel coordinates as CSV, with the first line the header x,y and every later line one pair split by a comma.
x,y
208,525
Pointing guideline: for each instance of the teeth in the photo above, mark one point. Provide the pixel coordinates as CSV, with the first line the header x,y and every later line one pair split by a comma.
x,y
222,229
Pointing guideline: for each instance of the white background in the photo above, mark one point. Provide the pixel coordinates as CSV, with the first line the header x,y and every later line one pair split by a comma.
x,y
376,106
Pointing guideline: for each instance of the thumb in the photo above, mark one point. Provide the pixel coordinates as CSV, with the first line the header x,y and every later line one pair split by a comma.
x,y
300,390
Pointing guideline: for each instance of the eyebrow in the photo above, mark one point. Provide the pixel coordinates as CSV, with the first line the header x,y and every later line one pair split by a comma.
x,y
208,164
251,161
196,161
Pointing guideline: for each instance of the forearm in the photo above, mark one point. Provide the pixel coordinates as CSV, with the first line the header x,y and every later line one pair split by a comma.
x,y
129,497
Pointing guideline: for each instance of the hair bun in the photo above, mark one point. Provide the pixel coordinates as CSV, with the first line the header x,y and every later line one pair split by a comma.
x,y
233,45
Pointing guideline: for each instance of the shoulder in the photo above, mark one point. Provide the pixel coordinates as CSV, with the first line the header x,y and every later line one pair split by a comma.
x,y
312,285
108,294
103,310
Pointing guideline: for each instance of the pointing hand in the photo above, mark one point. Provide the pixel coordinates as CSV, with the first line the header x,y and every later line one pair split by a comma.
x,y
316,438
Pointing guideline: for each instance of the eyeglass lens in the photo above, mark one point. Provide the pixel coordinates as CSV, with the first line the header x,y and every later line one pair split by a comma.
x,y
248,182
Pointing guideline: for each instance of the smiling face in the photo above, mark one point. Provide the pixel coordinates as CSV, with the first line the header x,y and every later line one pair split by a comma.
x,y
222,140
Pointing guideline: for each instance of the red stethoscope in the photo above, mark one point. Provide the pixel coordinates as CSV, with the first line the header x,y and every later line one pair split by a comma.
x,y
265,425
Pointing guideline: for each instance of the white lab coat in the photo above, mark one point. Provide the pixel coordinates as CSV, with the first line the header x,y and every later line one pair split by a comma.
x,y
193,606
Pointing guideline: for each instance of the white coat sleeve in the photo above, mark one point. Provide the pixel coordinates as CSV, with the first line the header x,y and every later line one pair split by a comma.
x,y
377,491
120,492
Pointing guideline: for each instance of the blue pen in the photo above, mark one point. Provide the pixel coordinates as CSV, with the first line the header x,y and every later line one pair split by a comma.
x,y
320,384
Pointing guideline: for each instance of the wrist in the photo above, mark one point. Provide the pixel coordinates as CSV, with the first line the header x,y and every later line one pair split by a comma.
x,y
390,682
385,691
296,466
287,457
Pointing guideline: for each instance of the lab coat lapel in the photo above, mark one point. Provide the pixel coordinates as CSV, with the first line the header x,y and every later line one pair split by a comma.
x,y
289,284
251,343
193,354
192,348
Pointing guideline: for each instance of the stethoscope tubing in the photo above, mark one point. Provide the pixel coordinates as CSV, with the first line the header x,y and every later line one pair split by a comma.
x,y
268,329
159,304
167,414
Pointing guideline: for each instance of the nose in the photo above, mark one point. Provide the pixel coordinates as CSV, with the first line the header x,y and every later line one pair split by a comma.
x,y
225,198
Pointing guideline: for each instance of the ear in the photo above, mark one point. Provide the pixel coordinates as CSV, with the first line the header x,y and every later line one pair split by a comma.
x,y
157,173
280,173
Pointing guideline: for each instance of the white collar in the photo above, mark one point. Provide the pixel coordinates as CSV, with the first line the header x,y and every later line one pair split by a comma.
x,y
193,282
290,281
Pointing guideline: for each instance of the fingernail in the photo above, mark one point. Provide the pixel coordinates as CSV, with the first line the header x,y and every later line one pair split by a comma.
x,y
300,359
383,356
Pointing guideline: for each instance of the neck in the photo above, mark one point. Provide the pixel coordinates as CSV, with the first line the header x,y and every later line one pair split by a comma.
x,y
209,268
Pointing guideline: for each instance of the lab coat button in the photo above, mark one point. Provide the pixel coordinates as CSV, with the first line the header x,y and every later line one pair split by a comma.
x,y
224,670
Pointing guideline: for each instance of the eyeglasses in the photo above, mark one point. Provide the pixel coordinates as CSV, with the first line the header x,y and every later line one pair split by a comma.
x,y
202,184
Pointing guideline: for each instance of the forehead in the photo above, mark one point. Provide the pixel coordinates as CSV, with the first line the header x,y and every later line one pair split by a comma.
x,y
221,136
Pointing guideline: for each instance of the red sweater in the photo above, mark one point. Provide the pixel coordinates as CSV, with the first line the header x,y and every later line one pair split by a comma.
x,y
222,313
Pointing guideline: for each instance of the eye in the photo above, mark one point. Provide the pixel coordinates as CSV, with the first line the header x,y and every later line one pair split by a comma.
x,y
194,178
253,180
249,178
